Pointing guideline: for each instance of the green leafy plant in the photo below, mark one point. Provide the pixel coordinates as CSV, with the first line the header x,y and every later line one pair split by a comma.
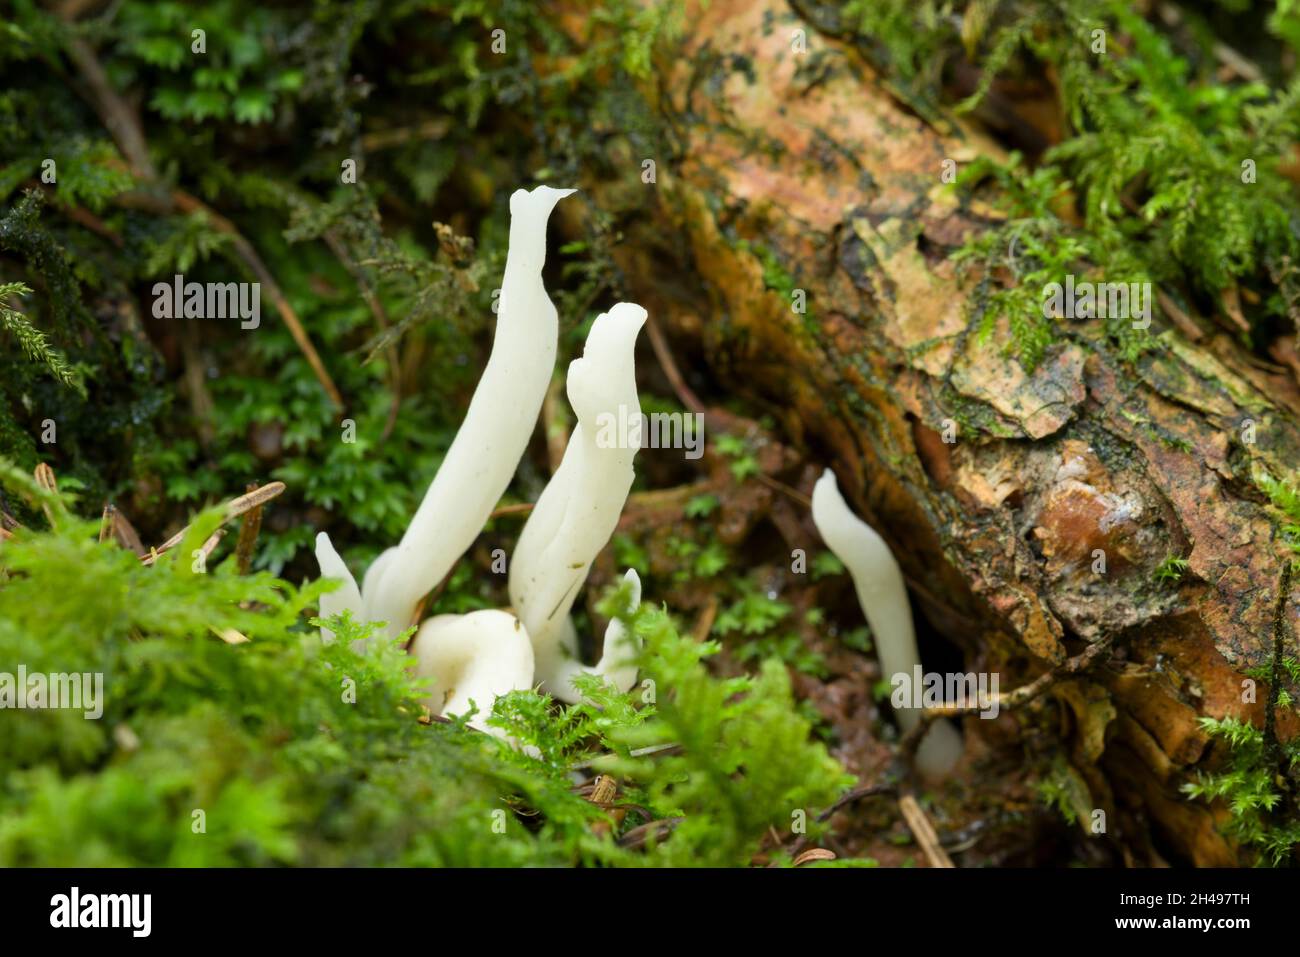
x,y
1282,495
231,735
32,341
1171,569
747,762
1064,790
743,461
756,616
701,506
1250,785
1163,173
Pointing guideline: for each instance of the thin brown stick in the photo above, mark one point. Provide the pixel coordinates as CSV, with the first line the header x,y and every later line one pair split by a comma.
x,y
664,354
46,480
124,126
78,214
254,499
852,797
919,824
704,624
1225,54
248,531
233,509
1180,318
208,547
781,487
205,549
377,310
434,129
638,836
1012,699
196,385
117,115
244,249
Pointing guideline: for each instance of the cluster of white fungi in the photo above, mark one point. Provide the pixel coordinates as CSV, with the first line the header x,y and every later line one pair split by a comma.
x,y
472,659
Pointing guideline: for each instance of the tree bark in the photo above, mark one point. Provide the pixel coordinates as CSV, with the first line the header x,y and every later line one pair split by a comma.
x,y
799,171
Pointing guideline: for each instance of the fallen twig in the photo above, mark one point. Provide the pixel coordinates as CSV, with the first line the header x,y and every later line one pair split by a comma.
x,y
919,824
117,115
664,354
78,214
638,836
244,249
248,531
233,509
209,546
704,624
1012,699
781,487
434,129
377,310
124,126
814,854
852,797
45,479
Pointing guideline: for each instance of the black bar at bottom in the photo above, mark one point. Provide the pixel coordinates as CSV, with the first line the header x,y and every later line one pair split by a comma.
x,y
584,908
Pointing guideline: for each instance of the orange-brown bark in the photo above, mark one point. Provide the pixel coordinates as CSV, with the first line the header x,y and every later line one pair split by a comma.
x,y
790,170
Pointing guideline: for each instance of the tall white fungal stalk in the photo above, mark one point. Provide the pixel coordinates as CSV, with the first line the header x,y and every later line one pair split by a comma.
x,y
883,597
473,659
483,456
617,663
501,417
346,598
579,508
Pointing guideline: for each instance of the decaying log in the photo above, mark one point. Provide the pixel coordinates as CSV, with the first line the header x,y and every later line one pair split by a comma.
x,y
788,170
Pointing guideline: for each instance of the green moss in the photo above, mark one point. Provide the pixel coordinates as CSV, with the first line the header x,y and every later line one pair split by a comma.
x,y
1262,811
1152,158
777,279
257,126
1171,569
284,750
